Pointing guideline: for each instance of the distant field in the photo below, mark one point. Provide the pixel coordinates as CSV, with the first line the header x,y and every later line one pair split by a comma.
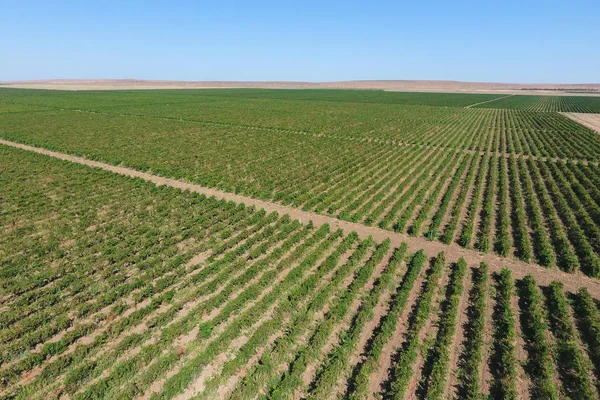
x,y
577,104
132,97
113,288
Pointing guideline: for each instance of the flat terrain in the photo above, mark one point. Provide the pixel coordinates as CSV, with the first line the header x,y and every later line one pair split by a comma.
x,y
453,250
592,121
393,85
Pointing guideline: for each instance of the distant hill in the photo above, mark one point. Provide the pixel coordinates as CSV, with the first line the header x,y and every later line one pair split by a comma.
x,y
396,85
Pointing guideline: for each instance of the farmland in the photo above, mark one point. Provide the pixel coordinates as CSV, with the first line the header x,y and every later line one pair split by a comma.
x,y
578,104
113,287
493,180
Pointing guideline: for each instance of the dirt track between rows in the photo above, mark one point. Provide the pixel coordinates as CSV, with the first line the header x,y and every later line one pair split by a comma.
x,y
489,101
543,276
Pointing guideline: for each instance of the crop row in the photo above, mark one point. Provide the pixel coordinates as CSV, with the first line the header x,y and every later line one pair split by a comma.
x,y
130,290
526,132
482,201
581,104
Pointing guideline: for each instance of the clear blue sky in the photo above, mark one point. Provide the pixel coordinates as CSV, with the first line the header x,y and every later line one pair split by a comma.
x,y
500,41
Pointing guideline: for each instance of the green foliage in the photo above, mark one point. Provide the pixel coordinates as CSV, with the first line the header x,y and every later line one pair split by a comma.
x,y
588,318
472,355
540,366
380,158
503,363
440,355
580,104
409,351
572,366
110,284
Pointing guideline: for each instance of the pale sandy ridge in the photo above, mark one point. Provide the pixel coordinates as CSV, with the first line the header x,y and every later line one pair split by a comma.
x,y
572,282
439,86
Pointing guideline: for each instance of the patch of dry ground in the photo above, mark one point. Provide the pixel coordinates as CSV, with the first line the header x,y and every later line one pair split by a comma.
x,y
592,121
571,282
390,85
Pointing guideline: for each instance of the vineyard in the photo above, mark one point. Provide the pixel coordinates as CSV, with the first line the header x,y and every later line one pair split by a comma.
x,y
579,104
114,288
491,180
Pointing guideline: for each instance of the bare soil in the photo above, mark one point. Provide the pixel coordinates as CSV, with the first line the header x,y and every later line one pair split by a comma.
x,y
391,85
544,276
592,121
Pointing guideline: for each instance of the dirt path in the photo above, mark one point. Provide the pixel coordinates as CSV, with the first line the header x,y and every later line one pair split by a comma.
x,y
489,101
591,121
572,282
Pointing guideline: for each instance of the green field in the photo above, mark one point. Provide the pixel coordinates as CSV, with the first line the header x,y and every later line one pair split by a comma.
x,y
578,104
114,288
448,173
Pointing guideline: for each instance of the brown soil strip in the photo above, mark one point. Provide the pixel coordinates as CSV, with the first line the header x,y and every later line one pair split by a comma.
x,y
543,276
197,259
489,101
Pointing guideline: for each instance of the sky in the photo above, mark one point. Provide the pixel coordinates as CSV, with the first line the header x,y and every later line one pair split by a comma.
x,y
501,41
